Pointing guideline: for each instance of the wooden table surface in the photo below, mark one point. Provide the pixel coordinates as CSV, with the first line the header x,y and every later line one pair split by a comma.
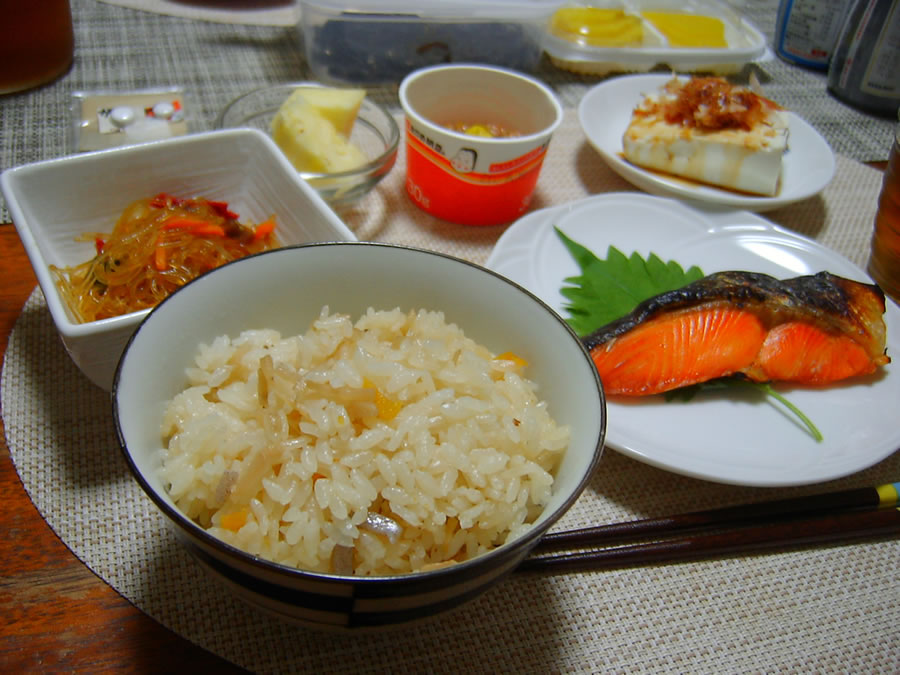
x,y
57,615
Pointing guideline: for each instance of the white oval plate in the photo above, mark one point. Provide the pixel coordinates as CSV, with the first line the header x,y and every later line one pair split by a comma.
x,y
605,111
724,437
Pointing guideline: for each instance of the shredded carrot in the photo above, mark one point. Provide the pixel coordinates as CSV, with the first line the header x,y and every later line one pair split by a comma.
x,y
264,229
510,356
234,521
388,408
159,258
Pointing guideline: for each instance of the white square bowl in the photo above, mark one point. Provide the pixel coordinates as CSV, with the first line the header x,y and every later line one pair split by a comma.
x,y
53,202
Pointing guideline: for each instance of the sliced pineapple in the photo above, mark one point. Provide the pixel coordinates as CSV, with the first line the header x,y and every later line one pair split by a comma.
x,y
312,127
339,106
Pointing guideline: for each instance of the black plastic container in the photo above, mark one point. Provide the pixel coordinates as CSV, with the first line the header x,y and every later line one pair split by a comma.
x,y
865,68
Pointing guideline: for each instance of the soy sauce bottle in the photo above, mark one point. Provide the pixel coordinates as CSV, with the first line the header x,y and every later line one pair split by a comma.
x,y
806,31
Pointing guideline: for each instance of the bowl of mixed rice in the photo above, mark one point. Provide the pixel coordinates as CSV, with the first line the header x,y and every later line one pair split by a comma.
x,y
357,435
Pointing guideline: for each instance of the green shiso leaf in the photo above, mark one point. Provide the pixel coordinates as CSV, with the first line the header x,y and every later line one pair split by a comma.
x,y
609,289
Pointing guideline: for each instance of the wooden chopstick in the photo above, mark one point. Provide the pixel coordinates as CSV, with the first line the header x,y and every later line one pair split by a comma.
x,y
729,516
831,517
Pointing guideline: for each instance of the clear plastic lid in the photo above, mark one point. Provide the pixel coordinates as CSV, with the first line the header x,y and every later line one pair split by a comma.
x,y
513,10
638,35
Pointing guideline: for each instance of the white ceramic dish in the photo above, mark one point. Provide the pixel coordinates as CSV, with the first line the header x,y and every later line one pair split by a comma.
x,y
55,201
717,437
605,111
349,278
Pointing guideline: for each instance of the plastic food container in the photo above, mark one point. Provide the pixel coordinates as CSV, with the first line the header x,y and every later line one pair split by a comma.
x,y
637,35
382,41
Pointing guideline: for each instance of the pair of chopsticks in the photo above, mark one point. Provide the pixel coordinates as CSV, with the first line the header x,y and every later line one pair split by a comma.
x,y
831,517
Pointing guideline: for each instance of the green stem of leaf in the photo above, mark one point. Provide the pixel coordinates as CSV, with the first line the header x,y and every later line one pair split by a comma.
x,y
812,428
687,393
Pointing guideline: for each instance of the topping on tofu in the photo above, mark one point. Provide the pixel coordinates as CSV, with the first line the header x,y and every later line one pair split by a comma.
x,y
708,130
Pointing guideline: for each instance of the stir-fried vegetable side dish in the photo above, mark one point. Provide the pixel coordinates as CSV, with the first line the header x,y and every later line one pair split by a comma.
x,y
158,245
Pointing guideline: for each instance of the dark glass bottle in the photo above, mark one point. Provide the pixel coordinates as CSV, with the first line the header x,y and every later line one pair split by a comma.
x,y
865,67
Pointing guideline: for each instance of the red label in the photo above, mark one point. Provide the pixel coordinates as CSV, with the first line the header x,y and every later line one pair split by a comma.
x,y
469,198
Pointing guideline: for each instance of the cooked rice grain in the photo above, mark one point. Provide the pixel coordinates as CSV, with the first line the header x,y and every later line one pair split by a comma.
x,y
283,447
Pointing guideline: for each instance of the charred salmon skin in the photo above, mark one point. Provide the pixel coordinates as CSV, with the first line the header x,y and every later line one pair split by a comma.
x,y
810,330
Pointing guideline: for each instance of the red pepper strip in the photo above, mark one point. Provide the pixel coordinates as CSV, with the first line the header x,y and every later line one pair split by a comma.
x,y
164,199
99,244
263,230
222,209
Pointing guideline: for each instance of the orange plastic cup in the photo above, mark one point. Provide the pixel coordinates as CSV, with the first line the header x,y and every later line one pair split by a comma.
x,y
469,179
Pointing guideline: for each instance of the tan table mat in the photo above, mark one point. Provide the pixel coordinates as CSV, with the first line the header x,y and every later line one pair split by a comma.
x,y
824,609
118,50
840,218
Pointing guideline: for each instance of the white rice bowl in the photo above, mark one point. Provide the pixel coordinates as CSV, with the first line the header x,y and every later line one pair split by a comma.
x,y
285,290
380,445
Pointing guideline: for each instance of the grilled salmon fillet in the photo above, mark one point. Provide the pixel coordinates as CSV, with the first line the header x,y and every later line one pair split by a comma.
x,y
811,330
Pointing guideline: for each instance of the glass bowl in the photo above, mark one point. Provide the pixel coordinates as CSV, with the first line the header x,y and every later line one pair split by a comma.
x,y
375,133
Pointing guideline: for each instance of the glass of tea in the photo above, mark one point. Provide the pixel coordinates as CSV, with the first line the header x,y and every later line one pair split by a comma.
x,y
884,262
37,42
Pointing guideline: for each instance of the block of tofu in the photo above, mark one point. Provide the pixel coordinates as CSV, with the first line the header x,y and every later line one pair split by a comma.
x,y
710,131
312,127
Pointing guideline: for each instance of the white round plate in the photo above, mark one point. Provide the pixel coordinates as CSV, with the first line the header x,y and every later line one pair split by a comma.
x,y
605,111
727,437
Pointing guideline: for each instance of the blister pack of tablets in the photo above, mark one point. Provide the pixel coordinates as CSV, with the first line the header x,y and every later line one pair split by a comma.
x,y
107,119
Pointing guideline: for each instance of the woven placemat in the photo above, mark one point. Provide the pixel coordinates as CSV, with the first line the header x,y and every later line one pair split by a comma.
x,y
117,49
827,609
